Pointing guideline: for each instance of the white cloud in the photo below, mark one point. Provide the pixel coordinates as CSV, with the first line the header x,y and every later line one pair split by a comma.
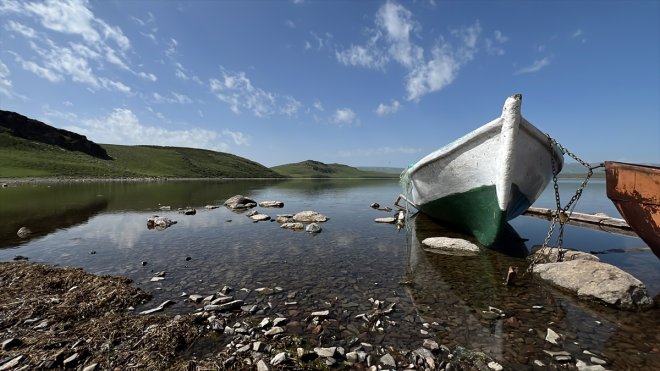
x,y
384,109
173,98
344,116
392,40
493,46
499,37
434,75
318,105
171,47
55,62
289,23
534,67
148,76
361,56
578,35
122,126
5,82
20,28
236,90
239,138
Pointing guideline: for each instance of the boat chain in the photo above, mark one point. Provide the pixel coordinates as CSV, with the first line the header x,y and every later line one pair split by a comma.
x,y
561,214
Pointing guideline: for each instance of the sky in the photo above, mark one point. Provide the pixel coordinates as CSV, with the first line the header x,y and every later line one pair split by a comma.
x,y
362,83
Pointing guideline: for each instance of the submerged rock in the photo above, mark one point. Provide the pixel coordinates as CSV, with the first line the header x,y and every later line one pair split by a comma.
x,y
597,280
260,217
292,226
390,220
450,246
271,204
24,232
159,222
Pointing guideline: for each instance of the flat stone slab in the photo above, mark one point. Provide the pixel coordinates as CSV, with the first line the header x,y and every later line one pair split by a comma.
x,y
271,204
389,220
597,281
550,255
450,246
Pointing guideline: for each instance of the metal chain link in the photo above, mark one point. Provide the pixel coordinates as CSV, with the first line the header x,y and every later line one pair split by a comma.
x,y
561,214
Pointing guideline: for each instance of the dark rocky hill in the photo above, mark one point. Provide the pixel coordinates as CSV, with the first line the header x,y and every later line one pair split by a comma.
x,y
30,129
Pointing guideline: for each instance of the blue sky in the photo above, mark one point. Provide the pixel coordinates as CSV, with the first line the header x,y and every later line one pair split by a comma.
x,y
364,83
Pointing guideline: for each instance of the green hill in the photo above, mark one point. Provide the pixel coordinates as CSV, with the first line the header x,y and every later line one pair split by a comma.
x,y
26,158
316,169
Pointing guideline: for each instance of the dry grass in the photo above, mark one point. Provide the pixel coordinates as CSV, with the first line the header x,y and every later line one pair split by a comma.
x,y
59,312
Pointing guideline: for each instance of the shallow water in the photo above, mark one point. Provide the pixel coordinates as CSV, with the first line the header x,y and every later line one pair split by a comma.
x,y
101,227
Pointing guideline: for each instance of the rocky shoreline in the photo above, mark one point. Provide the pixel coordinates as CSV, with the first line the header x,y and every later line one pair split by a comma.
x,y
65,318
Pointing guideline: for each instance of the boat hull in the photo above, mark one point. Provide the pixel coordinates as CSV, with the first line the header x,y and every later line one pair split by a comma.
x,y
486,178
635,191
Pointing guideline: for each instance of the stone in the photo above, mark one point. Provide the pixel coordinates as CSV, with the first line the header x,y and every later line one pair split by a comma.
x,y
91,367
188,211
71,360
313,228
264,291
550,255
258,346
450,246
262,366
24,232
260,217
326,352
279,321
221,300
296,225
552,337
265,322
211,207
375,205
240,202
388,360
390,220
562,356
309,217
279,358
271,204
274,331
583,366
159,223
159,308
597,280
430,345
223,307
321,313
495,366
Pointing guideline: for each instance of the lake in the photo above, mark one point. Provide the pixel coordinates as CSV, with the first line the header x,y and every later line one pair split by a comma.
x,y
101,227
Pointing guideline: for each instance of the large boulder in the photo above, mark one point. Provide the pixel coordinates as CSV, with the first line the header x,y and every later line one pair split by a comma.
x,y
240,202
450,246
598,281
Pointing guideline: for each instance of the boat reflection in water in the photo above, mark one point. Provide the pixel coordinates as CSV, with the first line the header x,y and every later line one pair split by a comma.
x,y
464,295
466,302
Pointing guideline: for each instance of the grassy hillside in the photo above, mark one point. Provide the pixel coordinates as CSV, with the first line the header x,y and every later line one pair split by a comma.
x,y
316,169
24,158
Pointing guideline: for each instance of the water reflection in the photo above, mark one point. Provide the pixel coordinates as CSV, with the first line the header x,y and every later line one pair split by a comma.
x,y
457,294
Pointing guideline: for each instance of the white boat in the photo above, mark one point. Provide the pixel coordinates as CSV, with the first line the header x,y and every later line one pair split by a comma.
x,y
487,177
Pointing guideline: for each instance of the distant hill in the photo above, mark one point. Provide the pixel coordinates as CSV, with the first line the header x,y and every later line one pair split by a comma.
x,y
316,169
29,148
30,129
384,169
576,170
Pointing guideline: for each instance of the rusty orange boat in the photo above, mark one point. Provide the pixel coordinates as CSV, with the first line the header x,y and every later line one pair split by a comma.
x,y
635,191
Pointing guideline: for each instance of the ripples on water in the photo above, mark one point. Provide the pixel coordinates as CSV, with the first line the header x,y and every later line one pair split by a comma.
x,y
102,228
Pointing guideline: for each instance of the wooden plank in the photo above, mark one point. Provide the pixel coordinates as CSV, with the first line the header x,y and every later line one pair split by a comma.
x,y
595,221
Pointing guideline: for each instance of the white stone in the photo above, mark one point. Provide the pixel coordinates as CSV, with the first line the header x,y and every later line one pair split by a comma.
x,y
450,246
309,217
390,220
552,337
279,358
495,366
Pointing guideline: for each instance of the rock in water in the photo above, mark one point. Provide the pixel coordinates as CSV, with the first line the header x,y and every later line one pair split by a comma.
x,y
450,246
313,228
24,232
309,217
597,280
271,204
240,202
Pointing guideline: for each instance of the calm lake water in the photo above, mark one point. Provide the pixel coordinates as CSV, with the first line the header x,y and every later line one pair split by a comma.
x,y
101,227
